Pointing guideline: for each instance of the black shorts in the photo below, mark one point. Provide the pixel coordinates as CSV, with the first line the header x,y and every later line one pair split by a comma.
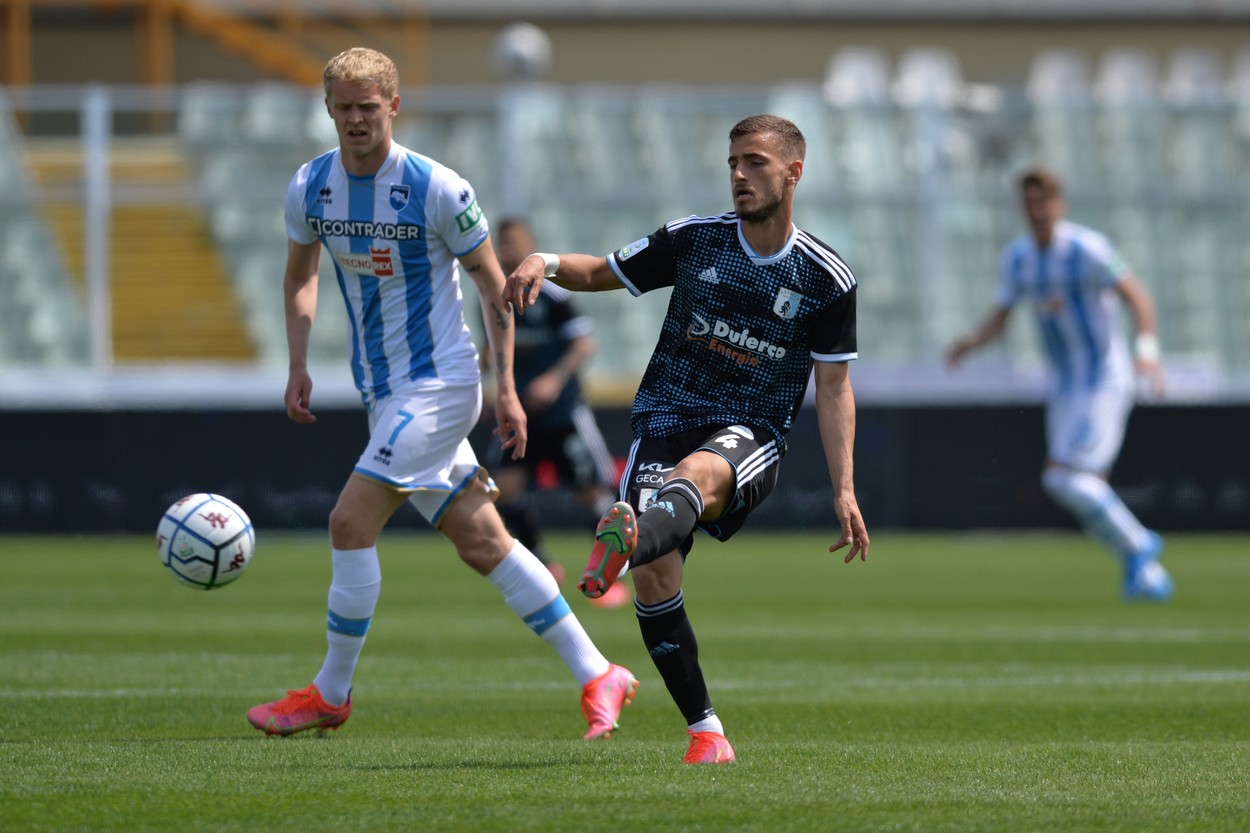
x,y
577,452
756,465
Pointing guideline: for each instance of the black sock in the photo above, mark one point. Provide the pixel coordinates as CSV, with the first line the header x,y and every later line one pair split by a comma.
x,y
668,521
669,638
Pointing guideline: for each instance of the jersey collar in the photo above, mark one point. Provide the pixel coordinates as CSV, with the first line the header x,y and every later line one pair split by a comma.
x,y
761,260
392,159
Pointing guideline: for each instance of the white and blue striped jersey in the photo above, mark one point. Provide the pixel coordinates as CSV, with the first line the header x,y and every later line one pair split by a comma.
x,y
394,238
1071,286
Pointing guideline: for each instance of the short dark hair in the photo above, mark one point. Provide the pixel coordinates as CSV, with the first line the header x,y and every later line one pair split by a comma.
x,y
790,139
1043,180
509,222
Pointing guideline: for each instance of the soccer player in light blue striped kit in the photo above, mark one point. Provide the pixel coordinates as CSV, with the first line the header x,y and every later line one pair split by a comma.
x,y
396,223
1074,280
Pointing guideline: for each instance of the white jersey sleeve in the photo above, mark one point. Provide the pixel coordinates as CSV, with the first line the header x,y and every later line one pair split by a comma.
x,y
297,227
454,213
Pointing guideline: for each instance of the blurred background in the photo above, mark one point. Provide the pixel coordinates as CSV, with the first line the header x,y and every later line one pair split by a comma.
x,y
146,145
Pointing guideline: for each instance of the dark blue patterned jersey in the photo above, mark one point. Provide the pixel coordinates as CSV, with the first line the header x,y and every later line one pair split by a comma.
x,y
742,331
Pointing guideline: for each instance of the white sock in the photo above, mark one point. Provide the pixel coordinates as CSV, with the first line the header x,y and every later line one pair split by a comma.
x,y
1098,509
354,589
530,590
711,723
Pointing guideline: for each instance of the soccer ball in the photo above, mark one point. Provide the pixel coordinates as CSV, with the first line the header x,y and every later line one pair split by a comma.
x,y
205,540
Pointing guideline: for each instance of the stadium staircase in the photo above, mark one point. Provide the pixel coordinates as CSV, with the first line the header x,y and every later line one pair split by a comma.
x,y
172,297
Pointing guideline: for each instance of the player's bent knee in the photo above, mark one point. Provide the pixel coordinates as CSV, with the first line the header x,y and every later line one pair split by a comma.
x,y
480,539
350,531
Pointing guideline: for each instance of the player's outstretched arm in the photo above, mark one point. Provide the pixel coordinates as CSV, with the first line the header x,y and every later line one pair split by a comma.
x,y
1146,354
299,289
989,330
579,273
510,420
835,415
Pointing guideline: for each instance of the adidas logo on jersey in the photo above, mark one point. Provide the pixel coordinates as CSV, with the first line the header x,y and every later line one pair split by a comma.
x,y
709,275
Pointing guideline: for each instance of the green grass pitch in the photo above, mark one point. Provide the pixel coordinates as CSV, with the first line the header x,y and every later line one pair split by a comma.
x,y
978,682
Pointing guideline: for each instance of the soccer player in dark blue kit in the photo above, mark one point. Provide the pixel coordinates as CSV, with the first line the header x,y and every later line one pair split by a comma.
x,y
757,305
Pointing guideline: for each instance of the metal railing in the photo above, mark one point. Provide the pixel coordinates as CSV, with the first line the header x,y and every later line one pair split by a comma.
x,y
915,190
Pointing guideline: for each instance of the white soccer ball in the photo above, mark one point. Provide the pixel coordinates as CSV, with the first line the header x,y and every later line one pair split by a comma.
x,y
205,540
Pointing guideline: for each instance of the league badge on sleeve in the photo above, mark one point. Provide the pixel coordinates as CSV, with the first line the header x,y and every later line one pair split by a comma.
x,y
632,249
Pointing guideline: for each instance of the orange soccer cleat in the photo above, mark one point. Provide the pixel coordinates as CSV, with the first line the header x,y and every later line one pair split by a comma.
x,y
297,711
708,748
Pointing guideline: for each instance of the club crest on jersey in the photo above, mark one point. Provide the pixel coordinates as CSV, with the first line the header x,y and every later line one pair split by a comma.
x,y
786,303
399,196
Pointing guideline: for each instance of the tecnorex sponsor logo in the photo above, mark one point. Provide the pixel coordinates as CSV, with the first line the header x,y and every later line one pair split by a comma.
x,y
739,345
376,262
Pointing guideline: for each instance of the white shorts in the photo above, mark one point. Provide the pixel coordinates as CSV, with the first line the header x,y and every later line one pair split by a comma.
x,y
1085,430
418,446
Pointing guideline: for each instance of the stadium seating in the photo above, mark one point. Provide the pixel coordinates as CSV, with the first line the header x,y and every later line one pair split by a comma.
x,y
910,175
42,318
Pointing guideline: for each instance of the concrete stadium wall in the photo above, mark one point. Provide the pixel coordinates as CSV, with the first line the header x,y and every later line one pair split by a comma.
x,y
1183,468
70,50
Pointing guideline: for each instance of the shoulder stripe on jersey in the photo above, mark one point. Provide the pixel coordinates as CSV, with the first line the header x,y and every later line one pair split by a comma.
x,y
727,219
827,258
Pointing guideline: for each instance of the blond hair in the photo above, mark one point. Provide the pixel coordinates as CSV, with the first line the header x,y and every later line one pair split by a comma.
x,y
360,65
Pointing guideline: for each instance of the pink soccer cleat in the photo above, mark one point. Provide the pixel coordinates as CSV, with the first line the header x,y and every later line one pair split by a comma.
x,y
604,697
615,538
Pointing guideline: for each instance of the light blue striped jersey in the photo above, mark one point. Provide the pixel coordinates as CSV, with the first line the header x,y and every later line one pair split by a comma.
x,y
1071,287
394,238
